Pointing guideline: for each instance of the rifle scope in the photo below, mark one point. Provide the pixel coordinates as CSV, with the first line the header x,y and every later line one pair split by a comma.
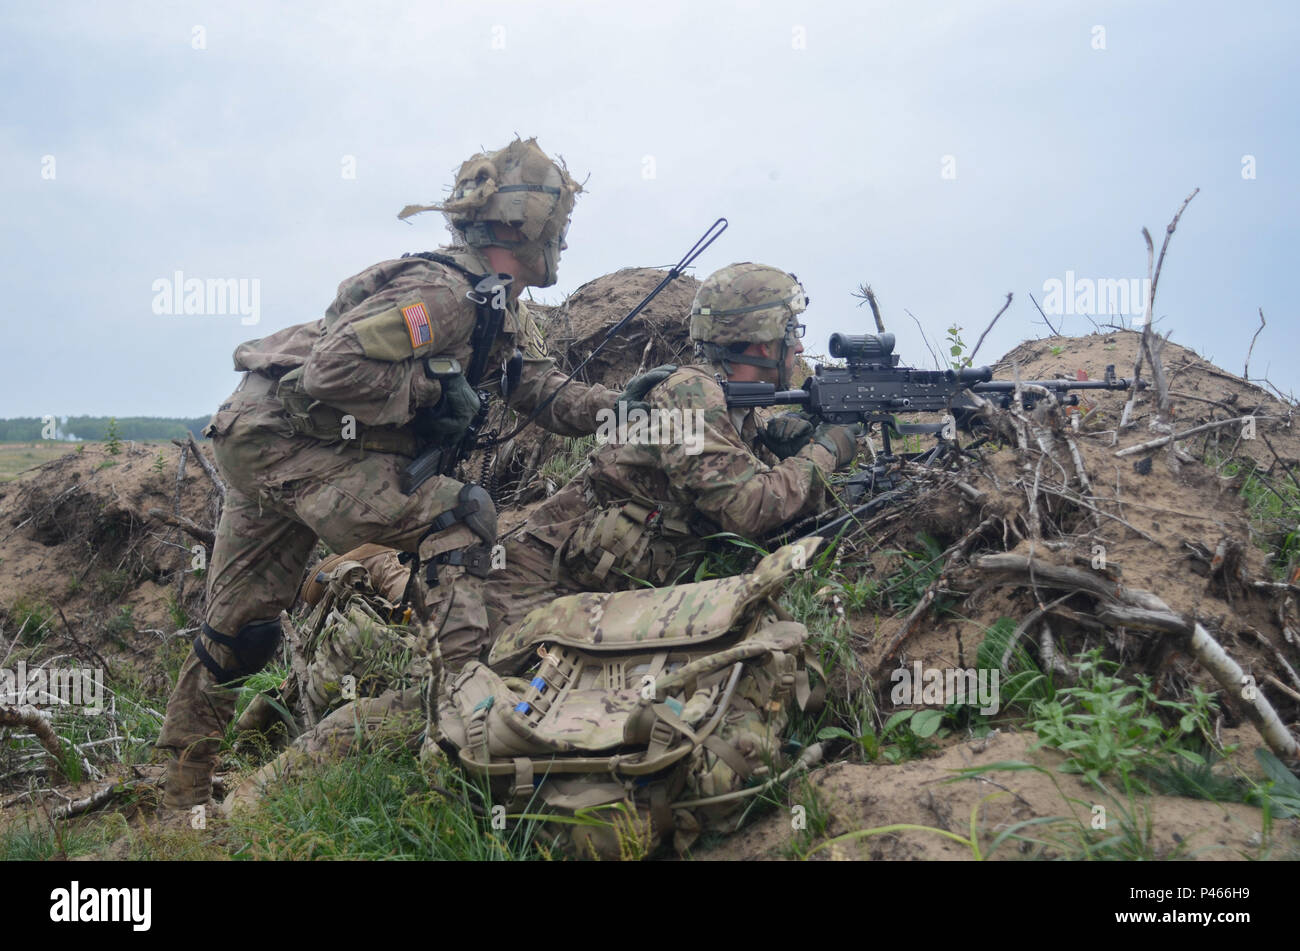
x,y
862,348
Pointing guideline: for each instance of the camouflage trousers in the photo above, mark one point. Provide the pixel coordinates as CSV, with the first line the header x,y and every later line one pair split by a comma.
x,y
532,576
538,568
285,491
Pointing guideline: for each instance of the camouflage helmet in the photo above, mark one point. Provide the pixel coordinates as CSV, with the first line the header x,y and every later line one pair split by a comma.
x,y
519,185
746,303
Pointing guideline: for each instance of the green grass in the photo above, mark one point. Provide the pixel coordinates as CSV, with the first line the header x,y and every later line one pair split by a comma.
x,y
38,841
562,466
1273,507
16,458
380,805
1105,725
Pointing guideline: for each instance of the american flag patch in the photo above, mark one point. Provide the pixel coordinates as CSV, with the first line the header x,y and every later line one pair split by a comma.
x,y
417,324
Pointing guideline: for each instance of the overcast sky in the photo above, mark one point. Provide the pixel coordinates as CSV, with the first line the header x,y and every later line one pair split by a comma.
x,y
945,152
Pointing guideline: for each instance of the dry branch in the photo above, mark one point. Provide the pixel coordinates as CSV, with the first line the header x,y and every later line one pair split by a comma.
x,y
203,461
1176,437
1135,608
205,535
39,724
971,357
1245,370
867,294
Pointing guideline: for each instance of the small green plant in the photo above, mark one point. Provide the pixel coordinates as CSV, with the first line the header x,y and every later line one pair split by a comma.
x,y
159,463
810,818
112,584
121,623
1273,508
957,347
112,438
176,612
562,466
81,447
380,803
29,842
979,851
31,617
1057,350
1105,725
904,736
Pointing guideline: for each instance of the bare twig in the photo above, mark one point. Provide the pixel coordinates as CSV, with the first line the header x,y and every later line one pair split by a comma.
x,y
98,798
203,461
970,359
1245,371
924,338
205,535
39,723
866,294
1175,437
1055,332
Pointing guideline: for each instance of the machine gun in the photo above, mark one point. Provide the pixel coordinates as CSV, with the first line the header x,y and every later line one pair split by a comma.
x,y
871,388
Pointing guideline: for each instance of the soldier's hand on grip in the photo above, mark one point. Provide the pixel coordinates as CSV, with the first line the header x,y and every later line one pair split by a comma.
x,y
786,434
455,411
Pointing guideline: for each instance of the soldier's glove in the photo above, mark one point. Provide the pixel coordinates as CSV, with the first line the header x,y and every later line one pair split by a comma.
x,y
634,393
841,441
454,412
786,434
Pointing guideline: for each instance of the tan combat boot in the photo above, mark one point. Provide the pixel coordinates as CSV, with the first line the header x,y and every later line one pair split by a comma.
x,y
197,713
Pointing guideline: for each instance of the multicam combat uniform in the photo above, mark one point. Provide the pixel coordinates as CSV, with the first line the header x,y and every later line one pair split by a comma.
x,y
292,478
642,512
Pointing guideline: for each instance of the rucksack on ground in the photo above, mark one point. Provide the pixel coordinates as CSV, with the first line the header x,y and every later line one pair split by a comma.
x,y
633,718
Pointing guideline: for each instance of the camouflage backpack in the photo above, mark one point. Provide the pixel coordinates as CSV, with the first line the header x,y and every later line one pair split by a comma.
x,y
643,715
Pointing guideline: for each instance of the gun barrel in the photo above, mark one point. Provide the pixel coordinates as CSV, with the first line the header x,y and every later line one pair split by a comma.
x,y
1009,386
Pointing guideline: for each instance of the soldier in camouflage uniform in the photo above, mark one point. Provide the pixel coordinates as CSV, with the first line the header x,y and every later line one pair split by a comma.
x,y
314,441
641,512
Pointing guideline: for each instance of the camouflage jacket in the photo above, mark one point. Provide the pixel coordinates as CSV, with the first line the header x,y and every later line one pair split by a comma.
x,y
716,470
365,356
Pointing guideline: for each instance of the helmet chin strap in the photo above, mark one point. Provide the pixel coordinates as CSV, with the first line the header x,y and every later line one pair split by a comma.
x,y
724,357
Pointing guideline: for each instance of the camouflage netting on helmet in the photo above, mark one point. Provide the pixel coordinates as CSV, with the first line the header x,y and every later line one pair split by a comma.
x,y
520,186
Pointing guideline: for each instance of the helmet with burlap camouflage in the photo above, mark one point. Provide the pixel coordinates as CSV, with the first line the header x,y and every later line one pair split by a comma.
x,y
519,185
746,303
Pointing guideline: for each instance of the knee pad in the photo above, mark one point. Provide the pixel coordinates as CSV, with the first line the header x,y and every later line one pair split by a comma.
x,y
475,510
253,646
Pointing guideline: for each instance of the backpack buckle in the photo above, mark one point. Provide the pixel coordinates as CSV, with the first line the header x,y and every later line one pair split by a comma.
x,y
522,789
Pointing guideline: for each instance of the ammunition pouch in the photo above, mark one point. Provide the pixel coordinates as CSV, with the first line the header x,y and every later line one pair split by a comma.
x,y
316,420
253,647
629,539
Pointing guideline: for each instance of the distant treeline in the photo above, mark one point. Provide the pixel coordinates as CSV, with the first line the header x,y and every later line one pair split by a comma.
x,y
95,428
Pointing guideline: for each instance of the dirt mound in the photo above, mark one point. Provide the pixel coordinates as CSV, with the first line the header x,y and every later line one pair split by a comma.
x,y
659,334
525,469
87,569
847,797
1070,528
1199,390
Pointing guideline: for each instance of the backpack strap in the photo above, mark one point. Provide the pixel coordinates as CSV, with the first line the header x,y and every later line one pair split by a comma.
x,y
488,319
